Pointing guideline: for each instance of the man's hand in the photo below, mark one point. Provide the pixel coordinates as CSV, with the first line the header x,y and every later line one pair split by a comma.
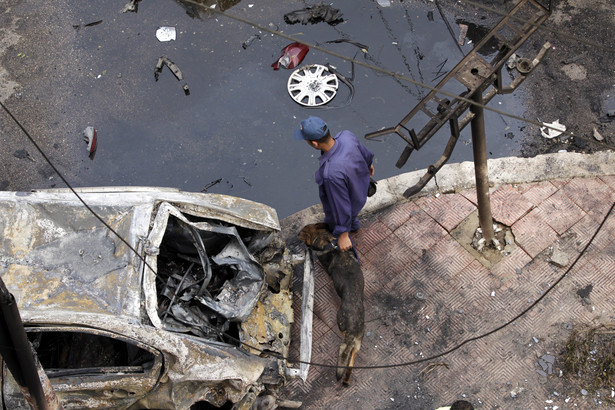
x,y
371,170
343,242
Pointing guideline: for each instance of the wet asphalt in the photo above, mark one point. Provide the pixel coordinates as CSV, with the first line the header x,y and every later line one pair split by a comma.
x,y
233,133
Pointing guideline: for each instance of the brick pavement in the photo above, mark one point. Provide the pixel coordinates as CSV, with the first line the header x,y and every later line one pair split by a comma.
x,y
425,293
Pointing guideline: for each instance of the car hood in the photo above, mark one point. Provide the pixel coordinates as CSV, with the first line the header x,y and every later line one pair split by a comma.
x,y
56,255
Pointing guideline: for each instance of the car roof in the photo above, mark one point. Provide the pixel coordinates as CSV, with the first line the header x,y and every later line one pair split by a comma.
x,y
56,255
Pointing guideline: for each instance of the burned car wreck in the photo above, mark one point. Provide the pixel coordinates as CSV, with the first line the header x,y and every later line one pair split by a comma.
x,y
198,317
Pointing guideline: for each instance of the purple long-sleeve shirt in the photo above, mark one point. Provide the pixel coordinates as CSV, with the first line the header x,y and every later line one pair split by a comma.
x,y
343,180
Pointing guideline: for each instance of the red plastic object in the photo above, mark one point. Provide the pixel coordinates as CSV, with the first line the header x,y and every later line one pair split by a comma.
x,y
291,56
89,135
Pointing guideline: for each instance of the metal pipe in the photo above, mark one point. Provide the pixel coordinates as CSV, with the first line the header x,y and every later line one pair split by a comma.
x,y
479,147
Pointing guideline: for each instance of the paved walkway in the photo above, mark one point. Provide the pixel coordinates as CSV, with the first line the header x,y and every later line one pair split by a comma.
x,y
427,291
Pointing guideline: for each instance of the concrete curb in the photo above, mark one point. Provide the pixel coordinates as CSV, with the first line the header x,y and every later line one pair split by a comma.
x,y
460,176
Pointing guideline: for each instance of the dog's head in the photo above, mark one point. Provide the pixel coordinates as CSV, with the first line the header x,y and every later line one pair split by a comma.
x,y
316,236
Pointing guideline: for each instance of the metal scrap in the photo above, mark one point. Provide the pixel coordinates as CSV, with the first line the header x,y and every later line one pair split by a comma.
x,y
250,40
162,61
132,5
226,287
267,327
552,130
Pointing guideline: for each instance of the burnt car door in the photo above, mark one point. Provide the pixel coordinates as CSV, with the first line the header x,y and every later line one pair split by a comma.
x,y
89,368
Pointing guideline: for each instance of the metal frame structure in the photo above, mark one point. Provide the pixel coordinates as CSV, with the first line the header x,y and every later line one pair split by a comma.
x,y
482,79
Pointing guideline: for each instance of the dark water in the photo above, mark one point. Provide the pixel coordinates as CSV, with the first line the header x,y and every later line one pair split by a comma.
x,y
236,125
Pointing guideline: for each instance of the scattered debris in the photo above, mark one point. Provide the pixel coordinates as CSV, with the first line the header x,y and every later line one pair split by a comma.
x,y
480,244
22,153
90,136
589,359
552,130
94,23
315,14
162,61
463,31
250,40
361,46
575,58
132,5
511,63
558,257
515,392
165,34
384,3
291,56
546,362
597,135
211,184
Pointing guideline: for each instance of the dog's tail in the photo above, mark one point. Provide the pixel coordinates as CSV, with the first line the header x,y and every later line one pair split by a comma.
x,y
348,351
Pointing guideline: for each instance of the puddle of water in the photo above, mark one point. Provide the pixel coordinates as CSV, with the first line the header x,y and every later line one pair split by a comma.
x,y
238,120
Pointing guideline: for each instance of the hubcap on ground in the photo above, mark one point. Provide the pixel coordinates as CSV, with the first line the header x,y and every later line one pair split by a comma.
x,y
312,85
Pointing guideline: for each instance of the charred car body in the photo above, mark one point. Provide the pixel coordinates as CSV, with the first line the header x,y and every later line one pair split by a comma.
x,y
201,313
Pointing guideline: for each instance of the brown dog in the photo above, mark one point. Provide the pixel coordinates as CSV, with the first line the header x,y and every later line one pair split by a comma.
x,y
347,276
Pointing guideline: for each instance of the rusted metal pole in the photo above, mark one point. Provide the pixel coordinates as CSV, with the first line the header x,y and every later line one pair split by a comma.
x,y
479,147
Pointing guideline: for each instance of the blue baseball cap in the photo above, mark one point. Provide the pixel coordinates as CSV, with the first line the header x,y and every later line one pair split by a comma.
x,y
310,129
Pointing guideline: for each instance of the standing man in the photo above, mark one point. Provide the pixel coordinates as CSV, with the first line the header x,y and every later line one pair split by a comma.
x,y
343,176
